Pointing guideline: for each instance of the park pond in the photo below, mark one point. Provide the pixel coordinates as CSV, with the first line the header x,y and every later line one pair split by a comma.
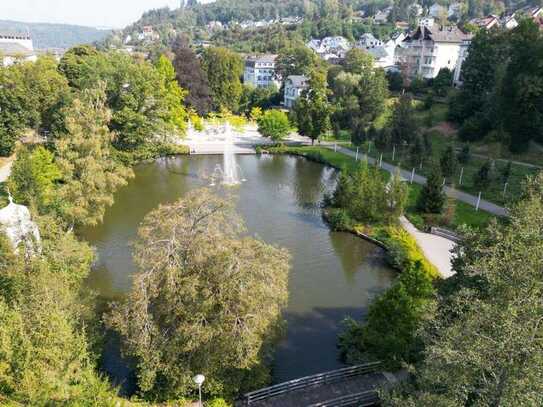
x,y
333,275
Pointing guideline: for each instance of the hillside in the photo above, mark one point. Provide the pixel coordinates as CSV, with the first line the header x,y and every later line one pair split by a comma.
x,y
55,35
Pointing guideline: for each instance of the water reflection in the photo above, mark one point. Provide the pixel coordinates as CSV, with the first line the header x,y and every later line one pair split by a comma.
x,y
333,274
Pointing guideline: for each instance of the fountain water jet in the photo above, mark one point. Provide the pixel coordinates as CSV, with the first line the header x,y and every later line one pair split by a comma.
x,y
230,171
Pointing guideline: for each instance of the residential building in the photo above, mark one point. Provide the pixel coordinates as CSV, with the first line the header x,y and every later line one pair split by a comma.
x,y
330,48
260,71
383,57
294,86
148,33
381,17
463,54
367,41
427,21
509,21
486,23
428,50
16,47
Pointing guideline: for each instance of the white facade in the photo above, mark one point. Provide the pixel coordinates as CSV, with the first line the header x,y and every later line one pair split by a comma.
x,y
260,71
16,47
294,86
368,41
381,17
430,49
463,54
330,48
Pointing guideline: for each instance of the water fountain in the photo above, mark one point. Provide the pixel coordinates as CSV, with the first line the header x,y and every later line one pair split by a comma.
x,y
230,174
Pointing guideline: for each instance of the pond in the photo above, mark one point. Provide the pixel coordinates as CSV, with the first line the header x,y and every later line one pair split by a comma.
x,y
333,275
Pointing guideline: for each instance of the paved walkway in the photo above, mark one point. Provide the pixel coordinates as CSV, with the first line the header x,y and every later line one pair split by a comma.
x,y
436,249
419,179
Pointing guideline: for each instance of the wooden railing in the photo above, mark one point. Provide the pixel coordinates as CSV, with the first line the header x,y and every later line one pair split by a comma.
x,y
309,381
364,399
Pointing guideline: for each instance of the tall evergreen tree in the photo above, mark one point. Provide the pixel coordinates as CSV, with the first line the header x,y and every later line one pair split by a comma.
x,y
432,198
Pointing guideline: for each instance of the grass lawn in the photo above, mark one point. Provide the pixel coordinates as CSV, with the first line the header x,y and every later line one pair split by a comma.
x,y
494,192
463,214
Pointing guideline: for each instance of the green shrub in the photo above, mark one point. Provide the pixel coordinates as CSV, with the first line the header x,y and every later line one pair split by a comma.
x,y
389,333
339,219
403,252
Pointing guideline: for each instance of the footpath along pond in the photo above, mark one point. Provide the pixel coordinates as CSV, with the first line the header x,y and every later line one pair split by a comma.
x,y
333,274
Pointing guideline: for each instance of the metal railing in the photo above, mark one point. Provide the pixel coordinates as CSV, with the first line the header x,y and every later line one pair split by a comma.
x,y
447,234
363,399
309,381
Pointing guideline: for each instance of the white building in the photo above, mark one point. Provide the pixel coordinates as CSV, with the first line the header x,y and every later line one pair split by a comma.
x,y
463,54
16,47
294,86
381,17
367,41
427,21
486,23
330,48
260,71
428,50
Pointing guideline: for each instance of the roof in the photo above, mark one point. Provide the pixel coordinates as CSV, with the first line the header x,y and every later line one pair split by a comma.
x,y
262,58
378,52
13,48
298,81
14,35
450,34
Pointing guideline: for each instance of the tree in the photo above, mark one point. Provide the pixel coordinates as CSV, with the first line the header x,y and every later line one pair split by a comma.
x,y
358,62
483,177
522,107
372,93
90,175
274,124
403,125
295,60
173,95
13,108
45,331
485,345
33,176
224,69
432,198
442,82
205,299
389,333
311,113
417,151
191,76
465,154
448,162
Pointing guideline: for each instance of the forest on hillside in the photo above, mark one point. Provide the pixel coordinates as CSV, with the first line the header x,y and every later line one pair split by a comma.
x,y
55,35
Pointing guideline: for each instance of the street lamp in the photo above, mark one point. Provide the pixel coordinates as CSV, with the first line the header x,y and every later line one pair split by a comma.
x,y
199,380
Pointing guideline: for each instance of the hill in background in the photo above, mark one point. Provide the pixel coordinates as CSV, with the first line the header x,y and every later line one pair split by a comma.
x,y
47,35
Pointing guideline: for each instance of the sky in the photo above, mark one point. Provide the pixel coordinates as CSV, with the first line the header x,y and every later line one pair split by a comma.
x,y
94,13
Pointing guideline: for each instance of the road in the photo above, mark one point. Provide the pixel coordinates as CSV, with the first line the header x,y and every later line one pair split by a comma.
x,y
419,179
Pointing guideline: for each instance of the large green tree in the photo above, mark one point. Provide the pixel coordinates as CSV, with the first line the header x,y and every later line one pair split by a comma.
x,y
224,69
205,300
311,112
485,345
173,95
274,124
89,173
295,60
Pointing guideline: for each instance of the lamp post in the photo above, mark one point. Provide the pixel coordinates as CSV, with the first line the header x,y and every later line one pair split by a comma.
x,y
199,380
